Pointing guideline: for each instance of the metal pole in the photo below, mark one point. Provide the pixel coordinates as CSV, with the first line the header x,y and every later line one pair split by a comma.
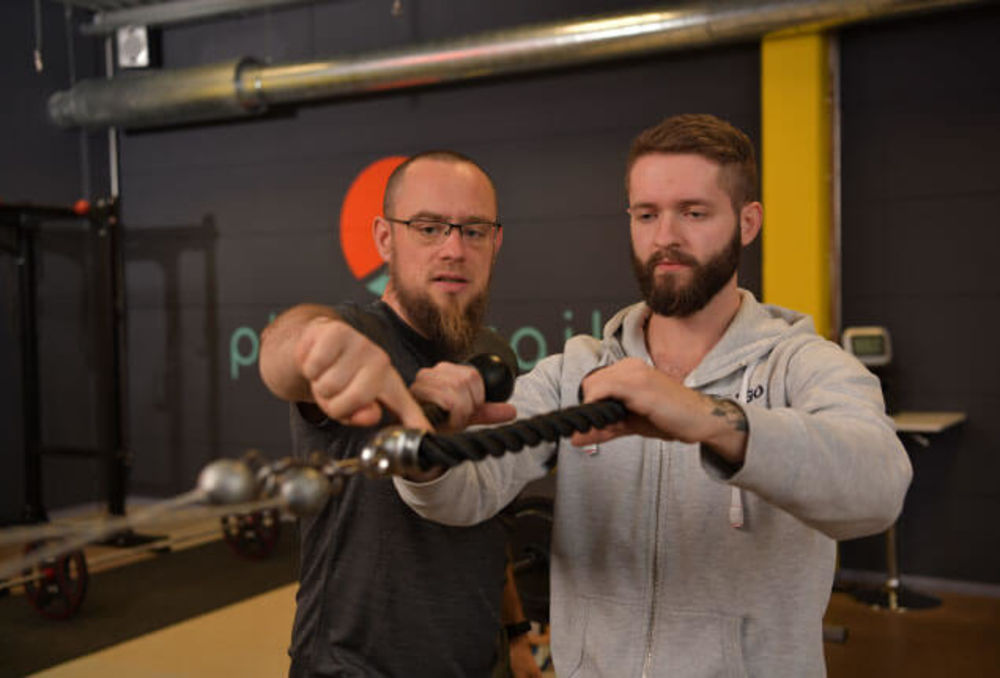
x,y
109,71
120,458
245,87
34,509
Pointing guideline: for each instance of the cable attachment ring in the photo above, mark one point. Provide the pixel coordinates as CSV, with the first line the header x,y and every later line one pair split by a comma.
x,y
394,450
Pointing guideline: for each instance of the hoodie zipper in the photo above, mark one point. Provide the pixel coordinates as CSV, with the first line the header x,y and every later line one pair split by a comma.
x,y
656,562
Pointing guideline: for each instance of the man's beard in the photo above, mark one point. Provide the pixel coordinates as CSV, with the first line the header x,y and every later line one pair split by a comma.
x,y
667,297
451,327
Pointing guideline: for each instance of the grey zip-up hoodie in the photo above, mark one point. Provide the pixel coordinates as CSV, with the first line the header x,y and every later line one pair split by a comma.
x,y
665,564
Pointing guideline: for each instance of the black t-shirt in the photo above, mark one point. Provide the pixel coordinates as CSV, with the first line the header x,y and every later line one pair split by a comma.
x,y
382,591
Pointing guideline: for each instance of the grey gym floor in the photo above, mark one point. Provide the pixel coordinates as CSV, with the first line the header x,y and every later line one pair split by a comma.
x,y
248,639
961,638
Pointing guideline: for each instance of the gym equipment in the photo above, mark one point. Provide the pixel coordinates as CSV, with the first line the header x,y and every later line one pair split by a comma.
x,y
396,450
222,481
873,347
23,224
252,535
302,486
529,533
869,344
528,521
56,587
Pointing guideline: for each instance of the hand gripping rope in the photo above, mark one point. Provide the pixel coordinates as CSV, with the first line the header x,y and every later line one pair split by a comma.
x,y
396,450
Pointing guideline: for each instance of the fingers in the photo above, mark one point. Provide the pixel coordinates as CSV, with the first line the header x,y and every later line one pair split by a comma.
x,y
367,415
398,399
522,661
659,405
371,387
351,378
596,436
493,413
618,380
318,347
457,389
355,400
350,384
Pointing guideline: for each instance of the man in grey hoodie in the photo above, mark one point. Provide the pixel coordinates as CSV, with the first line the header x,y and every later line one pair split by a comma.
x,y
697,538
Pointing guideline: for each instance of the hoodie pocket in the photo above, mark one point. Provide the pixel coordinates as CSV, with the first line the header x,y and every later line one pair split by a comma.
x,y
602,640
695,644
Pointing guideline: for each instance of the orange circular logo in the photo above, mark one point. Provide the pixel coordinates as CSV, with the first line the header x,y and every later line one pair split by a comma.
x,y
362,204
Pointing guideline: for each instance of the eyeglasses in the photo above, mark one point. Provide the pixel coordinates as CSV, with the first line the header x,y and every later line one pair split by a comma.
x,y
434,232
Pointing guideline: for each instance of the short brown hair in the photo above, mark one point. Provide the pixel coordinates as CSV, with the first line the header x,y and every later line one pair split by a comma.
x,y
710,137
444,155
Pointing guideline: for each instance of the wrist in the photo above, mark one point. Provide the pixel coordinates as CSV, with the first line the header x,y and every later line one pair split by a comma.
x,y
517,629
424,476
729,431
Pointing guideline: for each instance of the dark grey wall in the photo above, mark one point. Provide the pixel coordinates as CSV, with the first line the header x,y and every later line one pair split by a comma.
x,y
272,189
42,165
921,196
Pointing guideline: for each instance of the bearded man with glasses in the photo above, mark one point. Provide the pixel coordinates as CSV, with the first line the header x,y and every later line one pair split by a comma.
x,y
382,591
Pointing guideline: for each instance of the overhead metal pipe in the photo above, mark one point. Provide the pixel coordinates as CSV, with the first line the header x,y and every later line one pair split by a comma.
x,y
247,87
112,18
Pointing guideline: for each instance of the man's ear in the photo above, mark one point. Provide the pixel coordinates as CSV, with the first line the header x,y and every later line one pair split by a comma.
x,y
497,242
382,234
751,219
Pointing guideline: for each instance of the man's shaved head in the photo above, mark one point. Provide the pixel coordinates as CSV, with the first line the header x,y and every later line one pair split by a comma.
x,y
396,178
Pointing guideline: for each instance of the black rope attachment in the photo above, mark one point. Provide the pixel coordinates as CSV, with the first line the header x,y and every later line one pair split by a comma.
x,y
446,450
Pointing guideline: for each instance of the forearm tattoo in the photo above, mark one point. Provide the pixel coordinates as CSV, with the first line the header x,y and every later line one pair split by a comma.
x,y
731,412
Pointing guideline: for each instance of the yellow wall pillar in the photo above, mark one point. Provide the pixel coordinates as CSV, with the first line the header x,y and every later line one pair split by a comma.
x,y
796,172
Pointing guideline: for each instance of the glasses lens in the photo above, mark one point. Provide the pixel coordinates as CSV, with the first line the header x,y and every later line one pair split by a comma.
x,y
477,232
429,231
434,232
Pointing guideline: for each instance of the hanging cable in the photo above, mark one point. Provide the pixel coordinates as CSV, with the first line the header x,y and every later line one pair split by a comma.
x,y
39,66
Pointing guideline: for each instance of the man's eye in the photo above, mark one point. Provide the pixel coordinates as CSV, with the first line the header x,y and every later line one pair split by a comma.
x,y
428,228
645,216
475,231
696,214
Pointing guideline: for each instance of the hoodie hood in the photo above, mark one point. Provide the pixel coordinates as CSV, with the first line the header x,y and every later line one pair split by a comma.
x,y
754,331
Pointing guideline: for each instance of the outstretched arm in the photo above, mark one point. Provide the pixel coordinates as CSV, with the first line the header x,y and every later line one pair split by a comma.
x,y
308,354
828,455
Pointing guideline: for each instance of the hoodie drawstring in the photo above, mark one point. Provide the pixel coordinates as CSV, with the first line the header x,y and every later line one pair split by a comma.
x,y
736,513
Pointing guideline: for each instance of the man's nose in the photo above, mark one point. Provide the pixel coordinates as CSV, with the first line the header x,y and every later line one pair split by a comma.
x,y
667,230
454,244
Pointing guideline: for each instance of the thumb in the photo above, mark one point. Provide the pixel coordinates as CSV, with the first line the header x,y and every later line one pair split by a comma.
x,y
398,399
369,415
